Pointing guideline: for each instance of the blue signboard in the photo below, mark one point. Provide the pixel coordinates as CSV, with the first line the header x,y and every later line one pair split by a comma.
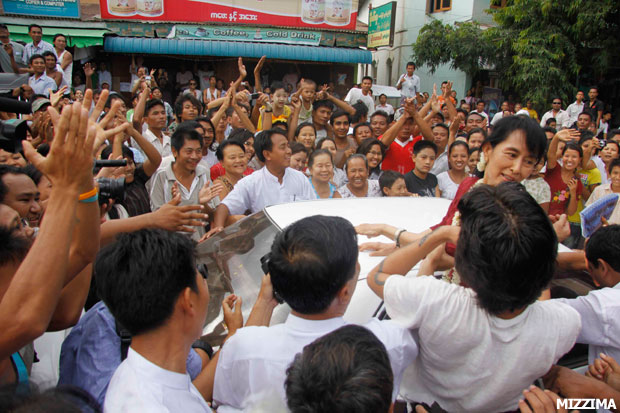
x,y
51,8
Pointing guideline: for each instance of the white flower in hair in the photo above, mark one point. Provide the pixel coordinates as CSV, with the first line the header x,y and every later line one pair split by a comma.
x,y
482,163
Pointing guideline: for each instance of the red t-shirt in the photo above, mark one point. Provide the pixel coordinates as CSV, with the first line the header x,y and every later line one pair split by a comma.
x,y
217,170
399,158
560,194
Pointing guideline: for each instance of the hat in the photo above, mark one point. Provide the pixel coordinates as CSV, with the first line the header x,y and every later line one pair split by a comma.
x,y
40,104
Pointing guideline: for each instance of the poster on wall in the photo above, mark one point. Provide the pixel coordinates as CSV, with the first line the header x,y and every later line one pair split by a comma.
x,y
52,8
319,14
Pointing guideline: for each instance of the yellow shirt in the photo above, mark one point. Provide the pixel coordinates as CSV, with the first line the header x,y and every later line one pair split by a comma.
x,y
283,117
588,177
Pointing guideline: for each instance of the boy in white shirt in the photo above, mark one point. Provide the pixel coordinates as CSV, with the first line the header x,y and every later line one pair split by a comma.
x,y
481,346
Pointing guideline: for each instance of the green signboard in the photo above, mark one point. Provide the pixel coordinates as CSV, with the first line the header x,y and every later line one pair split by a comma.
x,y
247,34
381,22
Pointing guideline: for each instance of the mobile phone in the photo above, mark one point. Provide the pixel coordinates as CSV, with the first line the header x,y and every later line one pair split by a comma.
x,y
147,78
254,96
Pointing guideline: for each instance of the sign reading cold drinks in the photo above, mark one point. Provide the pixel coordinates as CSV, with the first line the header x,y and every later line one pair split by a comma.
x,y
326,14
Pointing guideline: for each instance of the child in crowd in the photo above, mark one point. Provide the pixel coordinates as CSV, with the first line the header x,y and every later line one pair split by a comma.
x,y
420,181
277,107
538,187
392,183
308,92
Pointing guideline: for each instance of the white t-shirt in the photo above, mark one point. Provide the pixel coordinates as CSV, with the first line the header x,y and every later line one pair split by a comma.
x,y
356,94
410,87
389,109
446,185
141,386
470,360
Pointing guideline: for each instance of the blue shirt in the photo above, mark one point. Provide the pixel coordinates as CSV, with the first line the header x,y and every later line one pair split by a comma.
x,y
92,351
42,85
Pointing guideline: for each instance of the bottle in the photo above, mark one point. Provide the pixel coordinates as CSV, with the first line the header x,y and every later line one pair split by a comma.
x,y
122,7
338,12
150,8
313,11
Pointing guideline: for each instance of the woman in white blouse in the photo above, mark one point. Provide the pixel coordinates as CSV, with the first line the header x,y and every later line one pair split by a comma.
x,y
448,182
359,186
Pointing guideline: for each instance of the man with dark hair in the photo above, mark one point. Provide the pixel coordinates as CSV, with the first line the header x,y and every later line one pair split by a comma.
x,y
506,252
474,120
11,52
345,145
408,83
149,281
379,122
441,135
186,107
37,46
574,109
39,81
364,94
314,268
384,106
185,176
600,309
347,370
584,120
561,116
594,106
275,183
421,180
51,69
321,113
155,118
19,191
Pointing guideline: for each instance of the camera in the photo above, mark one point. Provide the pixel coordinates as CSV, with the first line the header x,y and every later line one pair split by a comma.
x,y
111,189
12,133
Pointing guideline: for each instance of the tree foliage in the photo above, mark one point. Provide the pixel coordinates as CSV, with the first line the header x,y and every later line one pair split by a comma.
x,y
539,47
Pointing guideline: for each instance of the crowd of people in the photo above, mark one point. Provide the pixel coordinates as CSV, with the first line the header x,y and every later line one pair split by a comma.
x,y
117,238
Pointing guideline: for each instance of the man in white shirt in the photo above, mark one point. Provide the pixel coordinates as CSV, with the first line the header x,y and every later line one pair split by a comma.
x,y
39,81
384,106
561,116
575,108
164,318
37,45
500,113
481,345
274,184
314,269
480,105
364,94
600,309
408,83
155,118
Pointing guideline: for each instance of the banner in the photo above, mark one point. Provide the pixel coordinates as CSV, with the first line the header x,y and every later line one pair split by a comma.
x,y
52,8
381,22
245,34
317,14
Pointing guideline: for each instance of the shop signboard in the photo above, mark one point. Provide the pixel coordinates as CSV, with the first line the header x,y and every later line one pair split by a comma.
x,y
381,22
51,8
245,34
317,14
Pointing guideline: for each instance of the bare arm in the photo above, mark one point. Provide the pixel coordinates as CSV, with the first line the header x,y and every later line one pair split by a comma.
x,y
67,58
258,87
153,157
425,128
138,113
402,260
71,302
294,119
389,135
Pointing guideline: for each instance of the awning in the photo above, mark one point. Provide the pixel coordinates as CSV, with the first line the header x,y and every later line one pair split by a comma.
x,y
79,37
235,49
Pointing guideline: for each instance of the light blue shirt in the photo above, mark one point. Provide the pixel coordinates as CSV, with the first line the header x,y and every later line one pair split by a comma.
x,y
42,85
30,50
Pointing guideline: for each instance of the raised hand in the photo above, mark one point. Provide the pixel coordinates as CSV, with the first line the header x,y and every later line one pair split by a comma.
x,y
173,217
259,65
233,318
242,71
207,193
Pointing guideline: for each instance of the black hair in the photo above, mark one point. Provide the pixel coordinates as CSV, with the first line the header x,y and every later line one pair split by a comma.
x,y
367,144
150,104
361,125
229,111
303,125
361,110
112,97
34,25
356,156
107,151
347,370
410,64
318,152
480,101
474,113
441,125
604,244
387,179
366,78
550,121
219,152
573,146
142,274
463,111
507,247
319,144
339,114
473,150
458,143
535,138
550,129
3,26
612,133
240,135
264,142
49,53
279,123
322,103
383,94
614,163
59,399
56,36
586,135
421,145
477,130
178,104
33,173
35,56
5,170
380,113
297,147
183,134
585,113
312,260
277,85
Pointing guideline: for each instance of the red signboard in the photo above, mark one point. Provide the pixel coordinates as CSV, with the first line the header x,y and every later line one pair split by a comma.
x,y
317,14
